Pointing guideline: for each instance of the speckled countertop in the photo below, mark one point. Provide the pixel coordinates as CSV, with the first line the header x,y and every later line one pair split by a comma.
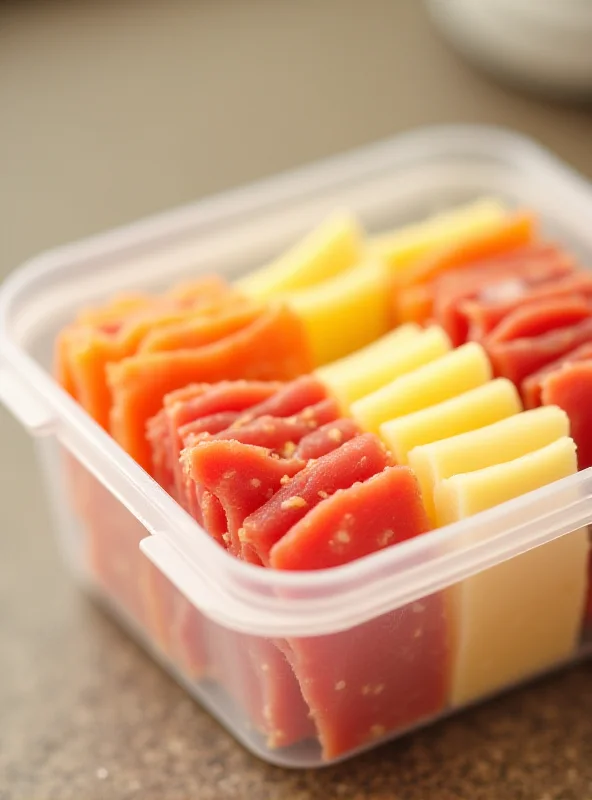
x,y
116,108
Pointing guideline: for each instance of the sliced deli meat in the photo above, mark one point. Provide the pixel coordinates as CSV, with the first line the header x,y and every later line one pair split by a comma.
x,y
356,460
351,523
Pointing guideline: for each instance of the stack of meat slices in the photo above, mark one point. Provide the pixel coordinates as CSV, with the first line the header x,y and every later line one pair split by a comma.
x,y
280,480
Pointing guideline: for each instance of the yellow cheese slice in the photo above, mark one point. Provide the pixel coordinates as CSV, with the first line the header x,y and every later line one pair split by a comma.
x,y
482,406
345,313
402,247
494,444
336,245
524,615
448,376
397,353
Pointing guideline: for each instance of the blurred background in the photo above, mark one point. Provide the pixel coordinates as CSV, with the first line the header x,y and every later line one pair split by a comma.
x,y
116,109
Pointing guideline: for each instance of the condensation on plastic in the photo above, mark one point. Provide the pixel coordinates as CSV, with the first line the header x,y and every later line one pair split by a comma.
x,y
177,581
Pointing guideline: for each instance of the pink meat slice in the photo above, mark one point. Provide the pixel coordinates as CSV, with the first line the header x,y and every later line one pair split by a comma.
x,y
356,460
241,476
482,316
570,388
531,386
282,434
525,267
380,512
538,318
291,398
519,358
327,438
377,678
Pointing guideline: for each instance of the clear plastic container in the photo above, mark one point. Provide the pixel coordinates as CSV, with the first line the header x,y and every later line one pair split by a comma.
x,y
304,668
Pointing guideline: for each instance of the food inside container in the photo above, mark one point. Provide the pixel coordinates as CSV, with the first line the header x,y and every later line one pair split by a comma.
x,y
542,45
371,392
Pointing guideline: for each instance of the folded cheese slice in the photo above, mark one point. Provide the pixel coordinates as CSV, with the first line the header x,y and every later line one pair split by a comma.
x,y
345,313
494,444
401,248
524,615
368,368
474,409
334,246
446,377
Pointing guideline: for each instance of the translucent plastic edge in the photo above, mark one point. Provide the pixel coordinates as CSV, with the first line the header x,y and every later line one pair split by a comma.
x,y
268,602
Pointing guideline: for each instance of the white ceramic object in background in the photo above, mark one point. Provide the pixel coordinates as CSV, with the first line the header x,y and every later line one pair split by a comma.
x,y
219,624
546,44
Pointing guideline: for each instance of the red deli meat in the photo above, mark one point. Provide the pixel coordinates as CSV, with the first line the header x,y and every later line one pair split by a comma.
x,y
570,388
209,512
157,435
483,315
273,347
518,359
257,676
366,682
305,395
278,434
282,434
327,438
538,318
531,266
185,409
186,490
192,405
532,386
356,460
291,398
241,476
391,672
286,715
354,522
377,678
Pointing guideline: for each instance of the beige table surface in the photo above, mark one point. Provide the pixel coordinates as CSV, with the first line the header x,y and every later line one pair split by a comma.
x,y
113,109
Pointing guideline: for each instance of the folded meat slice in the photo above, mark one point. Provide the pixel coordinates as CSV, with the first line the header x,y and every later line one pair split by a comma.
x,y
259,678
208,408
295,396
162,469
413,297
517,274
532,386
519,358
356,460
105,321
367,682
241,476
327,438
537,318
91,348
273,347
281,435
390,672
195,328
482,314
570,388
183,411
354,522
